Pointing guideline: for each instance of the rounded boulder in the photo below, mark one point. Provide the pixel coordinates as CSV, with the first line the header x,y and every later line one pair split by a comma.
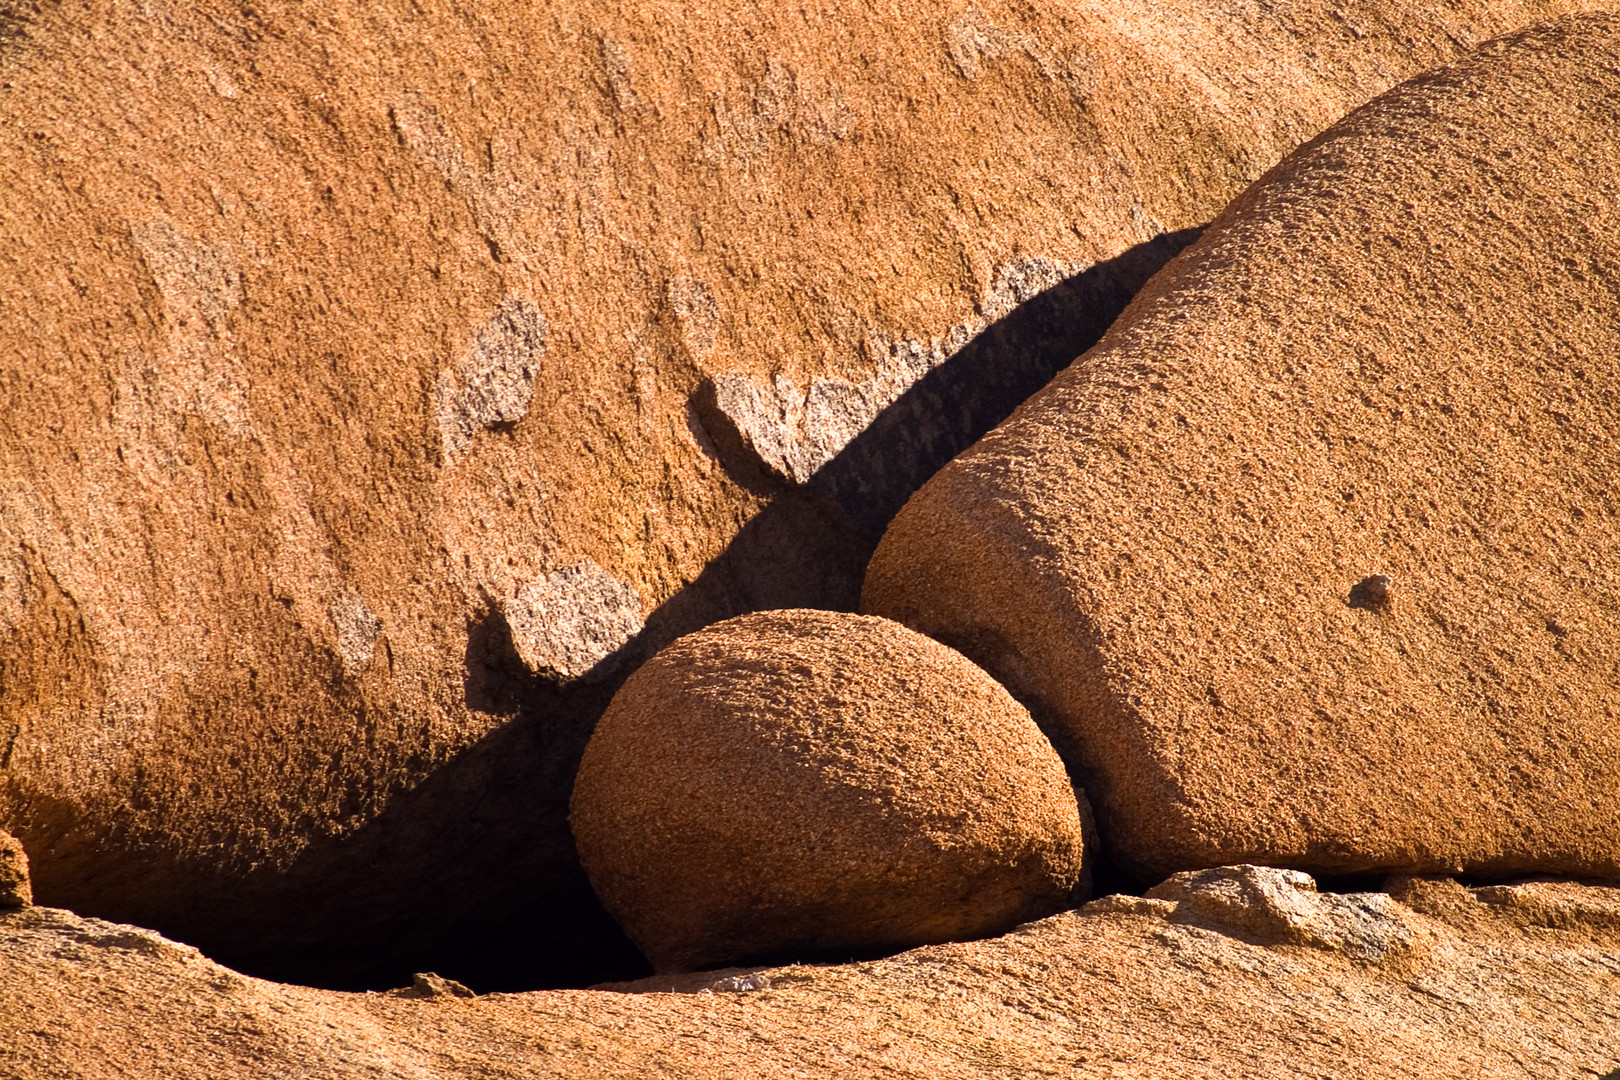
x,y
798,783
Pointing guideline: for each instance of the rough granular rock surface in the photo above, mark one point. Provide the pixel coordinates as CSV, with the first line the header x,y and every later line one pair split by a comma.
x,y
1272,905
335,338
1105,993
1556,904
15,887
792,783
1312,560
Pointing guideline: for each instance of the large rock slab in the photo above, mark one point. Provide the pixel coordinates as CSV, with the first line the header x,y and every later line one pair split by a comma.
x,y
795,783
1126,987
1311,561
371,375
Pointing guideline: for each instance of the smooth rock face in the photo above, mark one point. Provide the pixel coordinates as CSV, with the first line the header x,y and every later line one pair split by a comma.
x,y
15,889
1311,561
334,340
1103,992
795,782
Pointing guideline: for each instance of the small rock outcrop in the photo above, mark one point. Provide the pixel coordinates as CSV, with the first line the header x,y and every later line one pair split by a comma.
x,y
15,889
795,782
1275,906
1310,561
430,984
1561,905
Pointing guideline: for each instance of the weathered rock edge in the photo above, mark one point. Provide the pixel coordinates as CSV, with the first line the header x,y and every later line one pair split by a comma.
x,y
1488,986
1396,356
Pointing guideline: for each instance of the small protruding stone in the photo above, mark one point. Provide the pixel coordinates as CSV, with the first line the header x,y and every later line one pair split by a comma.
x,y
1375,593
15,888
739,984
432,984
1282,907
567,624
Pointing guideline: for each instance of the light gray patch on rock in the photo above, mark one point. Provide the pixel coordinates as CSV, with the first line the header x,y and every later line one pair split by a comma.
x,y
13,591
494,384
823,117
1124,904
770,421
496,194
202,289
972,39
1021,280
357,631
795,432
565,625
745,118
739,984
617,64
1276,906
696,313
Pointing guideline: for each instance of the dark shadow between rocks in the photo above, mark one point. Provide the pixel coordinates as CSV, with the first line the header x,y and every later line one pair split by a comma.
x,y
473,873
956,403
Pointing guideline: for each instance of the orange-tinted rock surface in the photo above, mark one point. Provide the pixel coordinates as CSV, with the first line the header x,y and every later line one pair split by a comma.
x,y
372,372
1311,561
1124,988
799,783
15,887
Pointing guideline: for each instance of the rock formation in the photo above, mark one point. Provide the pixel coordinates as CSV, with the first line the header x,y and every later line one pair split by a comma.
x,y
1487,989
371,372
1269,905
15,888
1310,561
799,783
